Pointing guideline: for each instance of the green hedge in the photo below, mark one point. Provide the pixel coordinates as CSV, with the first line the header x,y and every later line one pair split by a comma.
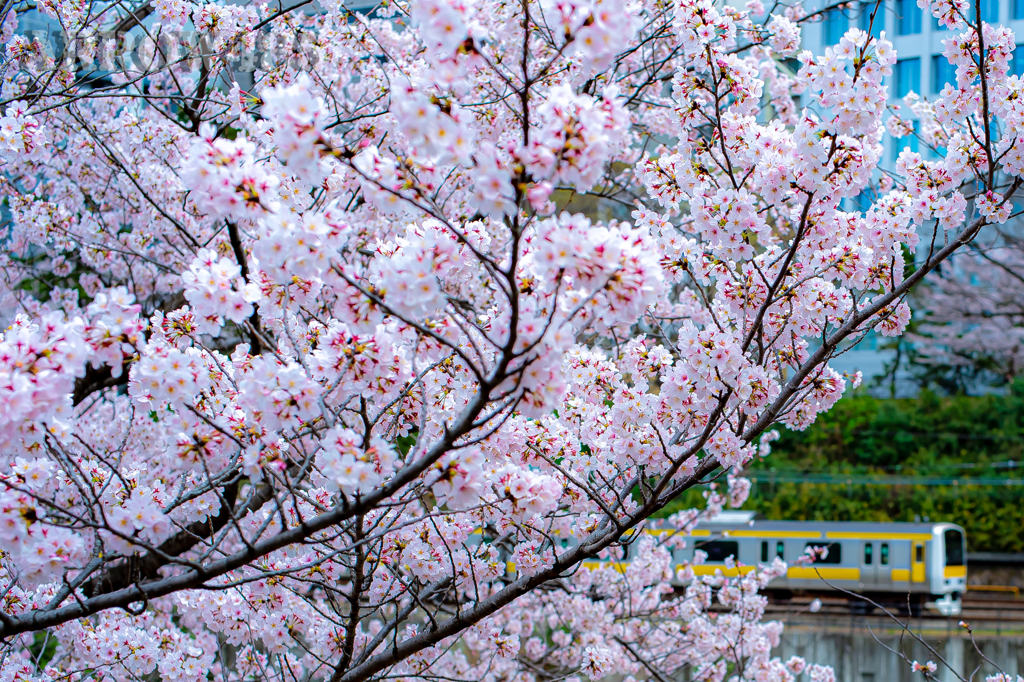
x,y
944,437
993,517
930,433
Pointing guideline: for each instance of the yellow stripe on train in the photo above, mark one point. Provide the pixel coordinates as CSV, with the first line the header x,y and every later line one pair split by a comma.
x,y
857,535
823,572
705,569
773,534
619,566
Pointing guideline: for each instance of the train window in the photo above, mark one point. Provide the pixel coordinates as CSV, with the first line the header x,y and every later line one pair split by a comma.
x,y
780,550
720,550
764,551
868,551
835,552
954,547
884,554
918,553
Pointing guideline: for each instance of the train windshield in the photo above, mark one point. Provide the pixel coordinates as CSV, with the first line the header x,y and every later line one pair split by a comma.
x,y
954,548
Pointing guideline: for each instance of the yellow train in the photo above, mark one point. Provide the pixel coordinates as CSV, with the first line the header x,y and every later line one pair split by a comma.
x,y
903,565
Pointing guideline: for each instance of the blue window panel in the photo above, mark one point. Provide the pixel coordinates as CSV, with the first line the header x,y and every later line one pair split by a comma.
x,y
864,23
942,72
906,142
989,11
860,203
1018,9
1017,63
908,76
863,200
835,26
908,17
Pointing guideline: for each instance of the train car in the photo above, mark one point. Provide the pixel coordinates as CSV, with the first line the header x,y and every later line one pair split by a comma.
x,y
898,564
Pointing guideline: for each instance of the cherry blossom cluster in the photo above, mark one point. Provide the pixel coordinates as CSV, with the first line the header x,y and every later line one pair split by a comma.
x,y
42,551
576,137
213,287
856,98
225,179
39,360
596,31
350,466
19,131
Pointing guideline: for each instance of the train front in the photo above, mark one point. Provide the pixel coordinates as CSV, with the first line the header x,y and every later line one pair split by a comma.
x,y
948,567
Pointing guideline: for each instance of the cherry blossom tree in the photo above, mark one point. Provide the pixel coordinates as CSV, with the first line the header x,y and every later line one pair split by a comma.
x,y
972,315
316,378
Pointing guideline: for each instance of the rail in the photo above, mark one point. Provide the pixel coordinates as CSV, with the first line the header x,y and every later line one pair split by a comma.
x,y
996,588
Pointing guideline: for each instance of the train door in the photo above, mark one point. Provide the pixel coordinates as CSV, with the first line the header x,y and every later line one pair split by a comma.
x,y
917,572
883,572
869,564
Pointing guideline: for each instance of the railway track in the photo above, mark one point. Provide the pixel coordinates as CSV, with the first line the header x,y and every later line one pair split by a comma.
x,y
978,608
990,618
